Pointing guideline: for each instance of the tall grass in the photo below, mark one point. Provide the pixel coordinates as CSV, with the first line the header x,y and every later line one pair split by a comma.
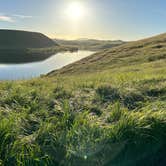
x,y
114,118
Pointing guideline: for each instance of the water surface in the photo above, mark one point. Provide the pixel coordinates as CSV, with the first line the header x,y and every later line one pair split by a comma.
x,y
31,70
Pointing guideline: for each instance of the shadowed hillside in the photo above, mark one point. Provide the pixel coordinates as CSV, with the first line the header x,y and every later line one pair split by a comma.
x,y
13,39
21,46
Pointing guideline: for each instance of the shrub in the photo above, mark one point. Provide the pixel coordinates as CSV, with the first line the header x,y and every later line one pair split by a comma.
x,y
155,92
96,110
116,113
60,93
133,100
157,57
107,93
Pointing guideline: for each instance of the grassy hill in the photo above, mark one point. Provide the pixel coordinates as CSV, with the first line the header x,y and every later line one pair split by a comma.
x,y
90,44
22,46
106,110
132,53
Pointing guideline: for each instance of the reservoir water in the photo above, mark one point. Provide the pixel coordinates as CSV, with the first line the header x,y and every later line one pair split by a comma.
x,y
31,70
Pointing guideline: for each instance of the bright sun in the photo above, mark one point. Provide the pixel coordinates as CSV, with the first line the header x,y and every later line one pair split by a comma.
x,y
75,10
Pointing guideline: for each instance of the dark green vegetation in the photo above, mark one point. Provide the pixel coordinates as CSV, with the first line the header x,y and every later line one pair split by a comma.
x,y
21,46
13,39
106,110
90,44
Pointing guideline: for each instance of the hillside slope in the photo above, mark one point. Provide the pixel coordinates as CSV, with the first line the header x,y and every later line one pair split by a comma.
x,y
12,39
138,52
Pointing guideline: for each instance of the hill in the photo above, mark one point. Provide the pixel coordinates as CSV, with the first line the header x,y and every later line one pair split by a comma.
x,y
90,44
22,46
138,52
13,39
108,109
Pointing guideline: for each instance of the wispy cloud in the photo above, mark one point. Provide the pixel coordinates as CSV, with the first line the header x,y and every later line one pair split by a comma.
x,y
6,18
13,17
22,16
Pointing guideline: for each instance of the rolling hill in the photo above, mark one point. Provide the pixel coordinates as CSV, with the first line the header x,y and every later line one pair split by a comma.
x,y
13,39
132,53
90,44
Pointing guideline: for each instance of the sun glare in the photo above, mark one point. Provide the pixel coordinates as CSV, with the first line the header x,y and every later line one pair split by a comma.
x,y
75,11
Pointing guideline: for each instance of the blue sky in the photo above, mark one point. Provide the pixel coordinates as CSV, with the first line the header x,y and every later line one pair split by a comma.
x,y
105,19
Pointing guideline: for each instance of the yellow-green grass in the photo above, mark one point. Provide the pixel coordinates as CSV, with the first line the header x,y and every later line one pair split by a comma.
x,y
114,116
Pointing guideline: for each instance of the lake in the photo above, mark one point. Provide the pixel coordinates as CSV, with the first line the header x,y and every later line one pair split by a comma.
x,y
35,69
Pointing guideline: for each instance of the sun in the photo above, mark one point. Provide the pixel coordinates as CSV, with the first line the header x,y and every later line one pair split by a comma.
x,y
75,10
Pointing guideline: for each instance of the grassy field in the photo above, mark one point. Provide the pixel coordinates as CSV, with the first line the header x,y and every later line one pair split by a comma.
x,y
113,116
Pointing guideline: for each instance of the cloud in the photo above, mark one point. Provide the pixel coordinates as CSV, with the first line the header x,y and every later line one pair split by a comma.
x,y
6,18
13,17
21,16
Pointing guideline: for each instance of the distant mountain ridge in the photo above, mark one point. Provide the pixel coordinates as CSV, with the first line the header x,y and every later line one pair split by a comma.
x,y
15,39
90,44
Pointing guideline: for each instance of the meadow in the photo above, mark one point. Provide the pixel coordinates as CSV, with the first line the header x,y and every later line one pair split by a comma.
x,y
105,110
115,117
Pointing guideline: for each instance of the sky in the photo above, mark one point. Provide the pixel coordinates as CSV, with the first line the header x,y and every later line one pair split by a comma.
x,y
73,19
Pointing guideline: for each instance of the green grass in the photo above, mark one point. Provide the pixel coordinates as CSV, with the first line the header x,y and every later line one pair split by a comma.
x,y
113,117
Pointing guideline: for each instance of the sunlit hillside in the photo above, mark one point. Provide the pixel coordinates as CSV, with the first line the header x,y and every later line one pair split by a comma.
x,y
148,51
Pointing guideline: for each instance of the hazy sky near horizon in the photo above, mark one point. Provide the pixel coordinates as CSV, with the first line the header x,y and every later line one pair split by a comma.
x,y
102,19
